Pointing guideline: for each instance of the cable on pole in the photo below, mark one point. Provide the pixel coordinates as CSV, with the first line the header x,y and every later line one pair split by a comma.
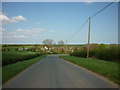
x,y
88,19
102,9
78,29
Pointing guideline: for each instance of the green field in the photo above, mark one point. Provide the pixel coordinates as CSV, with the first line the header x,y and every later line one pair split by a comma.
x,y
11,70
104,68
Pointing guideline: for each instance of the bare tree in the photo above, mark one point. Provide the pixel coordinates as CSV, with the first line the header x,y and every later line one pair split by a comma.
x,y
61,43
48,42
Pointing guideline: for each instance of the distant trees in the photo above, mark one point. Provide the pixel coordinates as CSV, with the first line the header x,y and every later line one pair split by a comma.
x,y
51,42
48,42
49,45
60,43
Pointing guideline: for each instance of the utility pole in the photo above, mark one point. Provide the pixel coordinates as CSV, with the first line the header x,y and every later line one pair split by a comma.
x,y
66,46
88,48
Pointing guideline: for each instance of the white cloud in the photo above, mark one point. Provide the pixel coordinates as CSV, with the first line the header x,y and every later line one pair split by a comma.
x,y
13,36
2,29
89,1
6,20
32,31
19,36
52,31
26,33
19,18
15,19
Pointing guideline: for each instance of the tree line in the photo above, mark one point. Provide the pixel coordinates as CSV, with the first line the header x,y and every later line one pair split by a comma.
x,y
51,42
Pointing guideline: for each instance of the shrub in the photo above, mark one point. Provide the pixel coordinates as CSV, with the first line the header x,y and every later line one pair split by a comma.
x,y
9,57
104,52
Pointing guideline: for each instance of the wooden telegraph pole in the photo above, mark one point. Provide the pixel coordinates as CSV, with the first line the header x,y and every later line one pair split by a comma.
x,y
66,46
88,48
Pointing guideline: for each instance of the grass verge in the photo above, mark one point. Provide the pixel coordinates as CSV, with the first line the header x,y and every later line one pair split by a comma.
x,y
104,68
11,70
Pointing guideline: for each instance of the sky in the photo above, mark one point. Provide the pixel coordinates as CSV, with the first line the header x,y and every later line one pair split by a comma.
x,y
33,22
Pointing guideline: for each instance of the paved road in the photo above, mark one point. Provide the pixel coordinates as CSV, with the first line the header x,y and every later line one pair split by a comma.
x,y
53,72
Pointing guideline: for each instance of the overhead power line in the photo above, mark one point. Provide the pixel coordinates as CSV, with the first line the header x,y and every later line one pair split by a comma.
x,y
78,29
102,9
88,19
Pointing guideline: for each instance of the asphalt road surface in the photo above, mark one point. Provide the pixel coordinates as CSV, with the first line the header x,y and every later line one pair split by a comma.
x,y
53,72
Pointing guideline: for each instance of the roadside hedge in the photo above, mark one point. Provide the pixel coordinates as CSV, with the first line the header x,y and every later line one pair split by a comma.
x,y
9,57
109,53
